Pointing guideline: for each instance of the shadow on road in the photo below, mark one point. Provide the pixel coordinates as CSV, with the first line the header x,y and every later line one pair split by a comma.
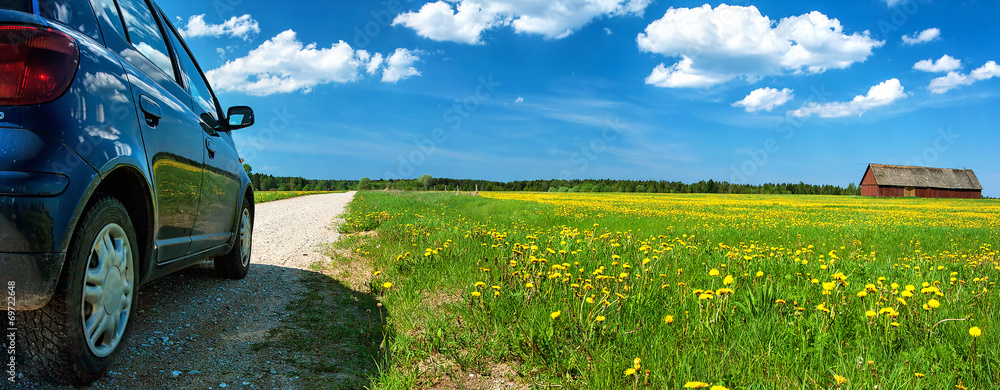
x,y
278,328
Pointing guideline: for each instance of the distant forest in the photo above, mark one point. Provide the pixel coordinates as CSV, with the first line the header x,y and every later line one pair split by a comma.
x,y
265,182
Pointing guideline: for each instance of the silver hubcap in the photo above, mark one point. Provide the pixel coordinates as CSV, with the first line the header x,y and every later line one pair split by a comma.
x,y
107,290
246,233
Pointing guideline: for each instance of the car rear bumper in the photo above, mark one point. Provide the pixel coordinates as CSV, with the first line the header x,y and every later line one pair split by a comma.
x,y
34,277
42,185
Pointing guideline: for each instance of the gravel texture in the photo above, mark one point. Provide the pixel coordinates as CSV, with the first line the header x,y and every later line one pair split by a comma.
x,y
193,330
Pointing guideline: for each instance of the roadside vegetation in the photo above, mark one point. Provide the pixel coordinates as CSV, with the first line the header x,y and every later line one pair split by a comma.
x,y
270,196
333,334
625,291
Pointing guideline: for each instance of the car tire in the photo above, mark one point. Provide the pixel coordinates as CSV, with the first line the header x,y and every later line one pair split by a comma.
x,y
76,336
236,263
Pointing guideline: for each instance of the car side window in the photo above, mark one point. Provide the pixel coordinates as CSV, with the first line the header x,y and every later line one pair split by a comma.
x,y
16,5
77,14
204,102
144,33
112,15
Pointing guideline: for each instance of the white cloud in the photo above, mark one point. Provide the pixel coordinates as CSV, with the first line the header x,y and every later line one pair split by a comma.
x,y
438,22
987,71
375,63
400,66
283,64
244,27
682,75
946,63
922,37
720,44
468,19
608,31
883,94
893,3
519,100
954,79
765,99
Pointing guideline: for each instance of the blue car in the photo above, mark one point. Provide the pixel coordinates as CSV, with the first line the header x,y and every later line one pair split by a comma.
x,y
117,166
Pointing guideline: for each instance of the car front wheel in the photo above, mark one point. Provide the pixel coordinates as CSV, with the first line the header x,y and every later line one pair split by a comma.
x,y
77,335
236,263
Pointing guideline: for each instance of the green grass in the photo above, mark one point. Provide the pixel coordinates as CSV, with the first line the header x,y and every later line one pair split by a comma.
x,y
793,320
270,196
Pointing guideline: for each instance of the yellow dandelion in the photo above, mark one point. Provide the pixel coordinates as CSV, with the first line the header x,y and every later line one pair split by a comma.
x,y
975,331
713,272
555,314
918,375
480,284
840,380
759,274
933,303
387,285
719,388
668,319
600,318
476,294
870,314
728,280
695,385
529,285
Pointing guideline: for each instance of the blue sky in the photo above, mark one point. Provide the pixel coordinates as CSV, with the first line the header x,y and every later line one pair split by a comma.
x,y
750,92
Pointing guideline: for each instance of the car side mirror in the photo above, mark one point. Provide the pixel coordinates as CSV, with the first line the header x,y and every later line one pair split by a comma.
x,y
239,117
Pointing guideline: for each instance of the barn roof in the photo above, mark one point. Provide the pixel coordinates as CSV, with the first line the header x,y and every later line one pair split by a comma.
x,y
944,178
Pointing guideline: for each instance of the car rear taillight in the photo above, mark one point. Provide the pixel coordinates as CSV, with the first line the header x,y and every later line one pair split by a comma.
x,y
36,64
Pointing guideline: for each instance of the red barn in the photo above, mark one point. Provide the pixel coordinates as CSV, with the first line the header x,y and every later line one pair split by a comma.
x,y
902,181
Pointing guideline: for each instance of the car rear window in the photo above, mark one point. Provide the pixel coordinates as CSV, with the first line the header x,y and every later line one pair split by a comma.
x,y
144,33
16,5
77,14
109,11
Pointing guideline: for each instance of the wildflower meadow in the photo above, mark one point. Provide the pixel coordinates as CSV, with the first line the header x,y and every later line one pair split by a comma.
x,y
626,291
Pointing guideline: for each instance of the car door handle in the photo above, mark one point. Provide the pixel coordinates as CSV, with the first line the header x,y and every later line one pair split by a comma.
x,y
151,110
211,148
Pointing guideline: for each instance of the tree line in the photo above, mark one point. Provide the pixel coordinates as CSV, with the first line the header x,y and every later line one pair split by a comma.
x,y
265,182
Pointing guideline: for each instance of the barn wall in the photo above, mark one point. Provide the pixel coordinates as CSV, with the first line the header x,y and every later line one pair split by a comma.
x,y
899,192
942,193
891,192
868,185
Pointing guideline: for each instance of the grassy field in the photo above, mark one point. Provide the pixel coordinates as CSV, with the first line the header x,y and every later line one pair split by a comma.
x,y
270,196
619,291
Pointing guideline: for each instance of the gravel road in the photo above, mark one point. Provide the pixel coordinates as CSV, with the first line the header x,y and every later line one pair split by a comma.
x,y
194,330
